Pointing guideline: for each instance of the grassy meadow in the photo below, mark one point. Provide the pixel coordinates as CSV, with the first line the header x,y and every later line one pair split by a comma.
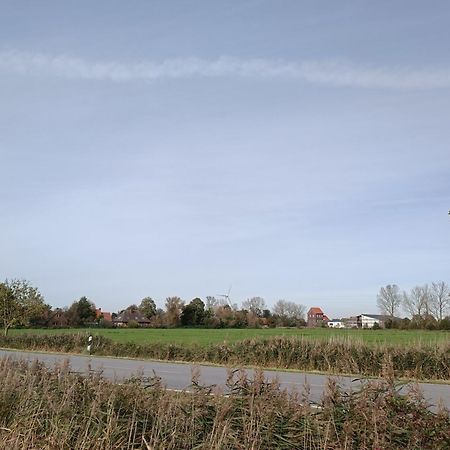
x,y
209,337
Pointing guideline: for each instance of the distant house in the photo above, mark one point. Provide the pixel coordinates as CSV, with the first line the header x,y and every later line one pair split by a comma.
x,y
316,317
57,318
335,323
130,315
369,320
106,316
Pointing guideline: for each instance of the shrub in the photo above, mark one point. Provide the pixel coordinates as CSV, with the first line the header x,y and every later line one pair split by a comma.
x,y
444,324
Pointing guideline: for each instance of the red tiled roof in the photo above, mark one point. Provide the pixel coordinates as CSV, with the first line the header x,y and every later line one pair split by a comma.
x,y
315,310
107,316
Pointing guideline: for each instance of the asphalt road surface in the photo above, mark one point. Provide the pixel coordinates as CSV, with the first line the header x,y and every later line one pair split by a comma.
x,y
178,376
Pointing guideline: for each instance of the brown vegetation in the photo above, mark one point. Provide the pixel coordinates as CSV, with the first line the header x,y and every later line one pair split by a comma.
x,y
56,409
422,362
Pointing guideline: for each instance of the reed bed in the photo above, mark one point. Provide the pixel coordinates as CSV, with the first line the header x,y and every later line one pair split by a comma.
x,y
336,356
50,409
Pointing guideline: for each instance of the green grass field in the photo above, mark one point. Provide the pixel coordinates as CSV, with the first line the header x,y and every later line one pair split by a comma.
x,y
207,337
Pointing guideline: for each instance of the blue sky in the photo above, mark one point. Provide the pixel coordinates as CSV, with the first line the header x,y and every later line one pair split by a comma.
x,y
295,150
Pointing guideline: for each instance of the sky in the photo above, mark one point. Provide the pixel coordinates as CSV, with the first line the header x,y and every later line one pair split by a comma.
x,y
292,150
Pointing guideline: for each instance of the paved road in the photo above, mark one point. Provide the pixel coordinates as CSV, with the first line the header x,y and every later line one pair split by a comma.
x,y
178,376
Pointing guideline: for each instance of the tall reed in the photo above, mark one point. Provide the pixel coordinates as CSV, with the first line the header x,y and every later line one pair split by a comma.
x,y
56,409
422,362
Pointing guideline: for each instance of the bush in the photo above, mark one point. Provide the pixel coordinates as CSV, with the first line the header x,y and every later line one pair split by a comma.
x,y
444,324
102,323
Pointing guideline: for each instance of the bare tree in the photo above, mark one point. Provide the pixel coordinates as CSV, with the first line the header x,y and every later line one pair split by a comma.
x,y
213,303
417,302
280,308
256,305
440,299
389,299
289,311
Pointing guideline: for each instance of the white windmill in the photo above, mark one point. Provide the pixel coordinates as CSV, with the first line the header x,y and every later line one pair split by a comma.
x,y
227,297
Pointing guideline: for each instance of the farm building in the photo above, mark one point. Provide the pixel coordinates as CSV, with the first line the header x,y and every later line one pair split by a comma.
x,y
130,315
369,320
316,317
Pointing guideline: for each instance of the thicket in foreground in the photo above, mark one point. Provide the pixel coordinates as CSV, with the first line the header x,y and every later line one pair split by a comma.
x,y
56,409
421,362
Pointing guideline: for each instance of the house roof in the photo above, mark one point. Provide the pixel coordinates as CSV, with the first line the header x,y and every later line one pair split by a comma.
x,y
127,315
378,316
315,310
106,315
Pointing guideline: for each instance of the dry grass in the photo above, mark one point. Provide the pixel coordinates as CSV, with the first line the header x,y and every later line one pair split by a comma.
x,y
421,362
55,409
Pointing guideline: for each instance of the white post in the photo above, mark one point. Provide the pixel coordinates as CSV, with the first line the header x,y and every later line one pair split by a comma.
x,y
89,344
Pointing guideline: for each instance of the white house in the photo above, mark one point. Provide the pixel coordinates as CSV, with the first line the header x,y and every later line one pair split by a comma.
x,y
335,323
369,320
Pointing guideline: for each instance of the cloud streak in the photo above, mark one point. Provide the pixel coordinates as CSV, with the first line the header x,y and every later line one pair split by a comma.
x,y
329,73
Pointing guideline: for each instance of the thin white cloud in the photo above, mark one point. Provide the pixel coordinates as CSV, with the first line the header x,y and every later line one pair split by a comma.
x,y
329,73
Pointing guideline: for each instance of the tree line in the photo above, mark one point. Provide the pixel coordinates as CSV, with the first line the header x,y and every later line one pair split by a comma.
x,y
428,305
22,305
216,313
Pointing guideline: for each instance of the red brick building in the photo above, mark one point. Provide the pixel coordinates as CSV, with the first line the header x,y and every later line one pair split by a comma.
x,y
316,317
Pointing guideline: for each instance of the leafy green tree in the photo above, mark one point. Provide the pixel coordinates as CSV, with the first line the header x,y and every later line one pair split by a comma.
x,y
41,318
9,310
147,307
81,312
20,303
193,313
